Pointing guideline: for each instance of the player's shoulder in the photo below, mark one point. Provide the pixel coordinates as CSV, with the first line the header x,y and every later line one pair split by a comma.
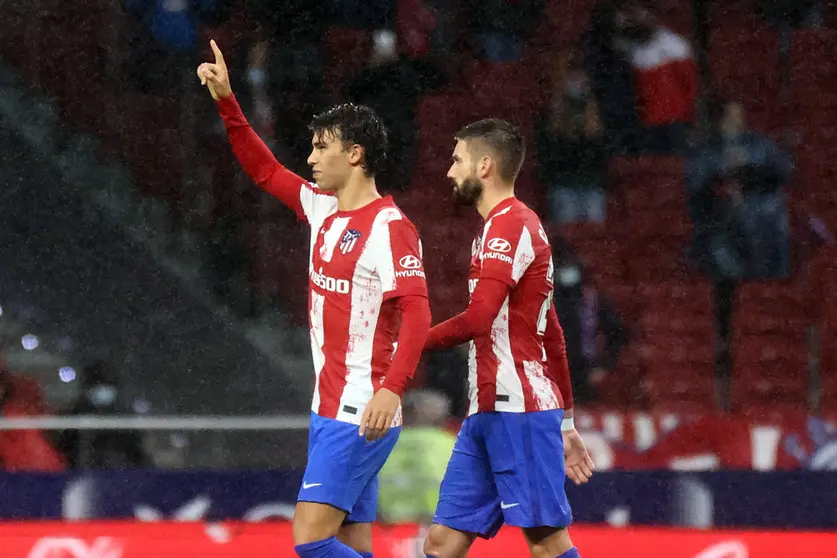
x,y
515,217
390,217
389,212
314,189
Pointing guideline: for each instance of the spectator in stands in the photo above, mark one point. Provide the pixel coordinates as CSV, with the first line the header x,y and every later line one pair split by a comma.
x,y
570,146
501,27
411,477
166,49
665,77
736,200
391,85
593,331
364,14
796,13
285,68
611,78
101,449
24,450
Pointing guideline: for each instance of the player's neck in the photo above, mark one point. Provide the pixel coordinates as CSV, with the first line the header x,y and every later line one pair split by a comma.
x,y
491,198
358,192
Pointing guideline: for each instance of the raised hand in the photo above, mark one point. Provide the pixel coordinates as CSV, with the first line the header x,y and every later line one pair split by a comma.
x,y
215,76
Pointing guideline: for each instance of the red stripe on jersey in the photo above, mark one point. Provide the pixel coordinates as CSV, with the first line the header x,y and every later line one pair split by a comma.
x,y
487,366
333,375
388,326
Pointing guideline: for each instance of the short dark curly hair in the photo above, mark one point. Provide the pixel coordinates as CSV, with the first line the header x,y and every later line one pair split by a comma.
x,y
356,124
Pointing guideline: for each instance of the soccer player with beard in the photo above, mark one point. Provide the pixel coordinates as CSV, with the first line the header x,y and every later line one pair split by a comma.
x,y
366,279
519,441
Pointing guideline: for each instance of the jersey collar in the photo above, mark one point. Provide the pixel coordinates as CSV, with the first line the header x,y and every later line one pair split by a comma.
x,y
508,202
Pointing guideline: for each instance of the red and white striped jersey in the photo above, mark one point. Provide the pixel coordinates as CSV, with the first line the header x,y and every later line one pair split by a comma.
x,y
507,367
360,261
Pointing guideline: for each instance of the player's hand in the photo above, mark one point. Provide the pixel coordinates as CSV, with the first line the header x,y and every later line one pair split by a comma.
x,y
215,76
578,463
379,414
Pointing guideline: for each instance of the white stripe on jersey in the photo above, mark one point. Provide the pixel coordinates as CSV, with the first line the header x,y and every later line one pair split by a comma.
x,y
524,256
367,297
383,247
541,387
317,340
332,237
508,382
472,378
316,205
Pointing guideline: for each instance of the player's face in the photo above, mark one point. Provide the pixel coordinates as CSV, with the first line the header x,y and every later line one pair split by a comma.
x,y
467,186
329,161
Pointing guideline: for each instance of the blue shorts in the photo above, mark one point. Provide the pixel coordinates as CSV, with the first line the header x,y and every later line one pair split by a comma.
x,y
505,468
343,468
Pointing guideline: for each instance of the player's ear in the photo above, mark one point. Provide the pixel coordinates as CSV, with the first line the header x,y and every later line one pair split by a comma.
x,y
484,166
355,154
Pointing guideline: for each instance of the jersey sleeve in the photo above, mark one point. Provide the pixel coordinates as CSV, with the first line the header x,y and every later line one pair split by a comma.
x,y
507,250
399,260
261,166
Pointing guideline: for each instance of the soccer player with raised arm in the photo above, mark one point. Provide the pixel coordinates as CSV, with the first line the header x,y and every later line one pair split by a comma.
x,y
366,279
519,441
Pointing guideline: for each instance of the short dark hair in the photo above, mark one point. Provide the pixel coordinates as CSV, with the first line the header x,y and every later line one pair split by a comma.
x,y
502,139
355,124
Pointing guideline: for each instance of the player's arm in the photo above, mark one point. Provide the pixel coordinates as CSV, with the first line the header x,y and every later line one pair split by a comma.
x,y
398,253
578,463
508,253
558,367
486,302
415,325
255,157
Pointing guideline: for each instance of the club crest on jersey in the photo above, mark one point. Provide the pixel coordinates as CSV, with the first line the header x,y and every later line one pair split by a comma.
x,y
349,240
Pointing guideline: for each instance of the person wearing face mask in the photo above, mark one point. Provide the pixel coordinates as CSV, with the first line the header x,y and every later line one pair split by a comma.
x,y
594,332
571,148
100,449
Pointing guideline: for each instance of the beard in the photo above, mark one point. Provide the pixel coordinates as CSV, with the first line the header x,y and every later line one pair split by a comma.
x,y
469,192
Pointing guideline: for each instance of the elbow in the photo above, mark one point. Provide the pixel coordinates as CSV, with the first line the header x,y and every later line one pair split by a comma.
x,y
421,321
416,317
483,323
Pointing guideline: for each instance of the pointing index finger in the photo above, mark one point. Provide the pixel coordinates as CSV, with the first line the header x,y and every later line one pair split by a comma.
x,y
219,58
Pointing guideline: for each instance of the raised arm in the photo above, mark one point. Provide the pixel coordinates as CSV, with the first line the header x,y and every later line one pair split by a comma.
x,y
255,157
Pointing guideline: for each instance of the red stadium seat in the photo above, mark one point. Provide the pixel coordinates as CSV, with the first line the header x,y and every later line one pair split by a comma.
x,y
346,51
770,368
675,321
744,65
693,296
641,170
678,376
769,306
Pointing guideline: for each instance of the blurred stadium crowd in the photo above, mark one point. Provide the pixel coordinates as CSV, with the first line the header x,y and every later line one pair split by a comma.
x,y
682,152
